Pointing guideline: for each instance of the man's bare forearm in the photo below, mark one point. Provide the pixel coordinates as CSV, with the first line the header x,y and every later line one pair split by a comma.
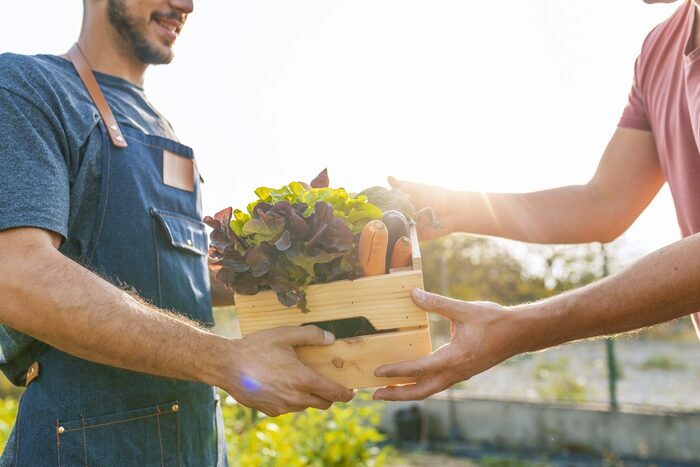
x,y
560,215
660,287
626,180
57,301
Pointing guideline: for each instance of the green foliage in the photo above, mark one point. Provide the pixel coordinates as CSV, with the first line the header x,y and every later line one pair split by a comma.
x,y
342,436
477,268
662,363
8,412
289,238
354,211
557,382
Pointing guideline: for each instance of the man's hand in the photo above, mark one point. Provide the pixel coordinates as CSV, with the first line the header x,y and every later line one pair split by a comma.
x,y
448,205
481,337
269,377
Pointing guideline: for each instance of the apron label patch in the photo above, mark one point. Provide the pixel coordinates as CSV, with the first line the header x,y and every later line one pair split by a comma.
x,y
178,171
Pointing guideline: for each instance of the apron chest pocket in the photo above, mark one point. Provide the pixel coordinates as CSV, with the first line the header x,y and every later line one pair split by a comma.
x,y
183,233
150,435
181,261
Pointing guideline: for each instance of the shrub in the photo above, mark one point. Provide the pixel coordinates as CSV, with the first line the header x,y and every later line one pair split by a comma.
x,y
557,382
663,363
344,435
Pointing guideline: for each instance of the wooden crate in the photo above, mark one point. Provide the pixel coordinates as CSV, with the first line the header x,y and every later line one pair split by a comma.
x,y
383,300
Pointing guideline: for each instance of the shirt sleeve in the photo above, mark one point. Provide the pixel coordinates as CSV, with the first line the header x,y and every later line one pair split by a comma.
x,y
635,115
34,174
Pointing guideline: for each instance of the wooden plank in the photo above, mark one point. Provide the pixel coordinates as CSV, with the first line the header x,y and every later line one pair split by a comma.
x,y
384,300
351,362
415,248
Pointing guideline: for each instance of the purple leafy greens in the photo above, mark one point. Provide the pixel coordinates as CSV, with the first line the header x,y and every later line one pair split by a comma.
x,y
288,239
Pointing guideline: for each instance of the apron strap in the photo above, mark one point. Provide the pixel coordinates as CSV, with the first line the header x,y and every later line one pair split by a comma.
x,y
86,75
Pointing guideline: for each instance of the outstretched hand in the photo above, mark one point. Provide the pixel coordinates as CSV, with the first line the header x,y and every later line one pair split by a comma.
x,y
482,336
448,206
272,379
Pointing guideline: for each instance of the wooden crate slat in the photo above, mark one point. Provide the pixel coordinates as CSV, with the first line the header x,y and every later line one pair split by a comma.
x,y
384,300
351,362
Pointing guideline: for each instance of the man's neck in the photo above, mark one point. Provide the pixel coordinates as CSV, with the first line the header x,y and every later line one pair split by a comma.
x,y
107,52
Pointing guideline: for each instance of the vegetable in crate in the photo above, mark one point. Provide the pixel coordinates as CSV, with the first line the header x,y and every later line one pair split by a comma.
x,y
397,225
290,238
372,248
397,200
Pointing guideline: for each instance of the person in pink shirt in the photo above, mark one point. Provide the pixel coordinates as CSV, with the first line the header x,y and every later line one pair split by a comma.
x,y
657,141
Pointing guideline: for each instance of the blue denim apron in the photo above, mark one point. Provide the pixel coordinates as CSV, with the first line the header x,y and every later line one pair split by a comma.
x,y
149,238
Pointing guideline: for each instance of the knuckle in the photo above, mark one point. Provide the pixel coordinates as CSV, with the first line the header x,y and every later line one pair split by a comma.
x,y
298,382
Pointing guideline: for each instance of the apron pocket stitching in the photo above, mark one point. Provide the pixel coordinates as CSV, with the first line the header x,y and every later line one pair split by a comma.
x,y
58,444
177,437
188,152
84,442
115,422
160,438
98,234
160,455
157,248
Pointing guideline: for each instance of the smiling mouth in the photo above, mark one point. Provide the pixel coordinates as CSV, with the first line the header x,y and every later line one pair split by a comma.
x,y
172,25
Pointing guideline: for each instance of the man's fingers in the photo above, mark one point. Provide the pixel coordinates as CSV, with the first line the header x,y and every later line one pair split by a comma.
x,y
412,368
410,392
315,402
297,336
443,306
329,390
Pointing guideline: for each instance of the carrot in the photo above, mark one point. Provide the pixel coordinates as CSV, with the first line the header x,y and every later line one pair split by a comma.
x,y
373,245
401,256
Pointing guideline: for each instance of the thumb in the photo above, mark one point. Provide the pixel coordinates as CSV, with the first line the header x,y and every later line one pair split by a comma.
x,y
409,188
395,182
443,306
297,336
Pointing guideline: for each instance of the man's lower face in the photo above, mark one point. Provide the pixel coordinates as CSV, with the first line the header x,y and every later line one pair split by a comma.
x,y
150,27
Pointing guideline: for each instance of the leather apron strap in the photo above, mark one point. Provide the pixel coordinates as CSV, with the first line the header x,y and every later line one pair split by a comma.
x,y
86,75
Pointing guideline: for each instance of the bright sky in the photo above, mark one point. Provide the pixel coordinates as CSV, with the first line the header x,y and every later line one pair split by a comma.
x,y
499,96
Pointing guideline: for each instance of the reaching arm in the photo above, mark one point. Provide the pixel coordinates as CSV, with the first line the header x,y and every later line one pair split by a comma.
x,y
658,288
627,179
57,301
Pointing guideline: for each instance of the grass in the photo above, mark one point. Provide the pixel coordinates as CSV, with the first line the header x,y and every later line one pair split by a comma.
x,y
557,383
662,363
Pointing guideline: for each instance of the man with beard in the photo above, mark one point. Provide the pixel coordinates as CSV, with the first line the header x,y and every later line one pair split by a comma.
x,y
100,232
657,141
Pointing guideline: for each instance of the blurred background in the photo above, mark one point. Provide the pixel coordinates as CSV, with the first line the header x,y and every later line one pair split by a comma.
x,y
492,96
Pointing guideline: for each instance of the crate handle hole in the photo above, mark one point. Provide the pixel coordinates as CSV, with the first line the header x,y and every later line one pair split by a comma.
x,y
349,327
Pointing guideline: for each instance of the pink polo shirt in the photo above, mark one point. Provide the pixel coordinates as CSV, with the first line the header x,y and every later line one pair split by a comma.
x,y
665,99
